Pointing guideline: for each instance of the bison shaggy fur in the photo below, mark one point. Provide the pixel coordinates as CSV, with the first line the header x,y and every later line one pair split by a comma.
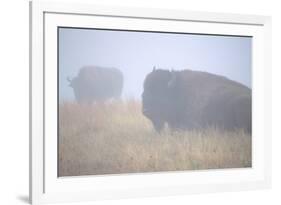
x,y
94,84
193,100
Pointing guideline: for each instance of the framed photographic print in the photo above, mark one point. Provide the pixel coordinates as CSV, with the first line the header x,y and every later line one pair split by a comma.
x,y
129,102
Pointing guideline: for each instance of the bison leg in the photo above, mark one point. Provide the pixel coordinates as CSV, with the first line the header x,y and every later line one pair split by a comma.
x,y
243,113
158,125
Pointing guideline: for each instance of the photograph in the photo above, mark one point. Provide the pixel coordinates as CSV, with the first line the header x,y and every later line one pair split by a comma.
x,y
138,101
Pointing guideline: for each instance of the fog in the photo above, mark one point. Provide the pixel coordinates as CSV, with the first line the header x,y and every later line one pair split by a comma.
x,y
136,53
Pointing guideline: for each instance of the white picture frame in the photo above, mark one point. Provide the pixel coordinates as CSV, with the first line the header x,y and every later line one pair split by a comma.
x,y
46,187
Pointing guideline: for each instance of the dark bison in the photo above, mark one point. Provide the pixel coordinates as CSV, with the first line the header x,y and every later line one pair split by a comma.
x,y
192,100
97,84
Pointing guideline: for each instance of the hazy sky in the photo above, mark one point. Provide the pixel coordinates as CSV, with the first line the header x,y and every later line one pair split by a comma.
x,y
135,54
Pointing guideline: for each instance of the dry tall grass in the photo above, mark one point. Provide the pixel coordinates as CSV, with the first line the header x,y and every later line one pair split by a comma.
x,y
115,137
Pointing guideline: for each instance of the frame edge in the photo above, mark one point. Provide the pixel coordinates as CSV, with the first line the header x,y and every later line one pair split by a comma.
x,y
36,10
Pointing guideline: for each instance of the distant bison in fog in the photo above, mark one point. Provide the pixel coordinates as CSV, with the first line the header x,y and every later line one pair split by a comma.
x,y
97,84
192,100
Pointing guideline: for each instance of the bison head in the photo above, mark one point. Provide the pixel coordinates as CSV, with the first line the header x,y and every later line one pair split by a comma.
x,y
158,97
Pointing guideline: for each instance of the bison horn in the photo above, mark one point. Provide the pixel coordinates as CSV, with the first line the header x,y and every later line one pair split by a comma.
x,y
68,79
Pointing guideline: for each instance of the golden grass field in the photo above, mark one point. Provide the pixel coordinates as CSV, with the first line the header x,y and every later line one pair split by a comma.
x,y
114,138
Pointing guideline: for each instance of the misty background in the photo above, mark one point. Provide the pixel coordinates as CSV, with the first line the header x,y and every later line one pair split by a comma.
x,y
136,53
